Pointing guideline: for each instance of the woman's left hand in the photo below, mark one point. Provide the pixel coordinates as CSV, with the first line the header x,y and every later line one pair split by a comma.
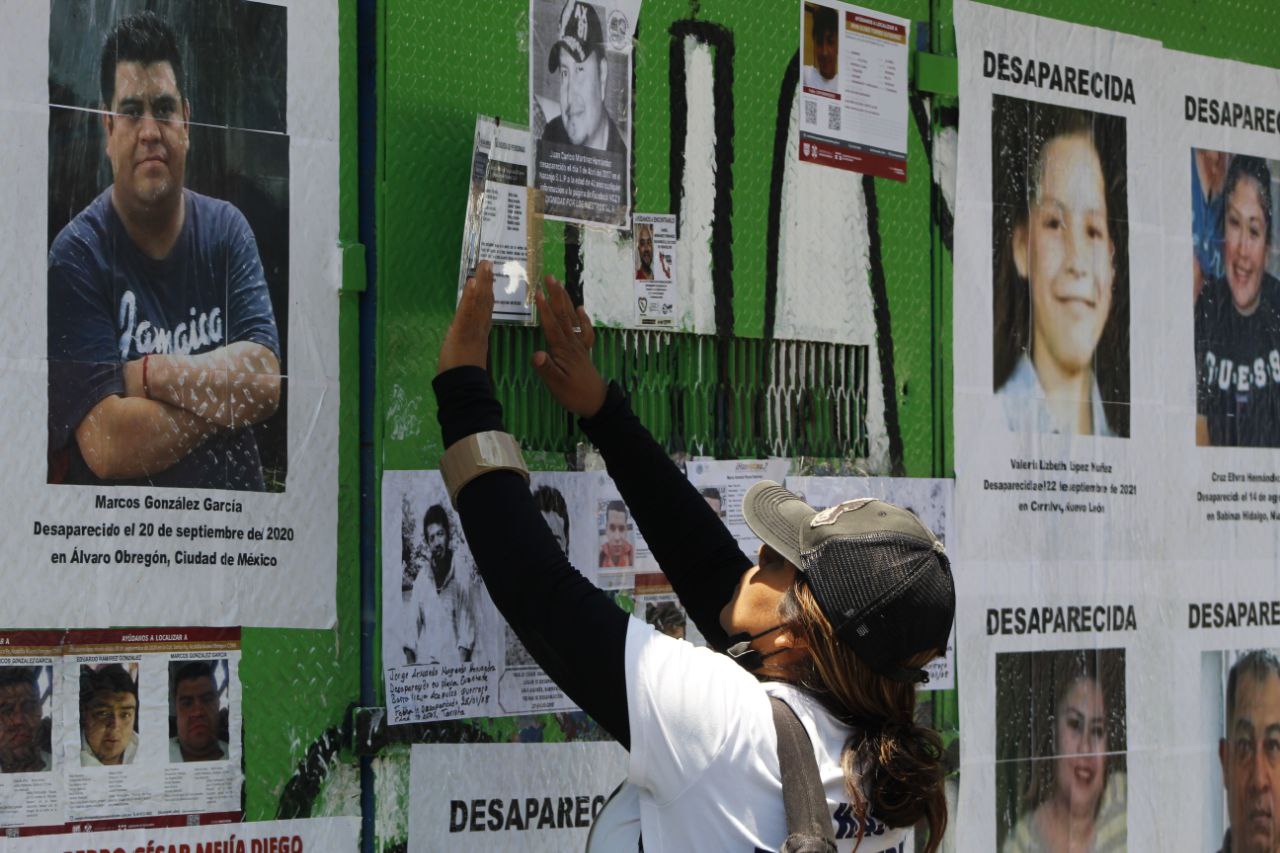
x,y
467,340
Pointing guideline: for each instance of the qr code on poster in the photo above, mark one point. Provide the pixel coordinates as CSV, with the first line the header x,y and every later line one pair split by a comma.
x,y
833,117
810,112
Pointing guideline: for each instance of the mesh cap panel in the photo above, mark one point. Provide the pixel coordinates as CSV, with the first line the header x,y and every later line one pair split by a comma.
x,y
886,594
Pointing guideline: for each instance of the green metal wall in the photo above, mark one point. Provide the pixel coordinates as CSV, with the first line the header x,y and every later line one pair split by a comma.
x,y
439,64
436,79
299,683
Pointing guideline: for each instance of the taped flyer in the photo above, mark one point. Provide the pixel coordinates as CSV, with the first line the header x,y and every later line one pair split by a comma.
x,y
497,220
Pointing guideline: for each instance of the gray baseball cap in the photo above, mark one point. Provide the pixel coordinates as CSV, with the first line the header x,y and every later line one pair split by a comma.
x,y
878,573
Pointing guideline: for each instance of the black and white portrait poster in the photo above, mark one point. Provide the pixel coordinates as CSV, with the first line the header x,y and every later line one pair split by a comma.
x,y
446,651
580,109
1059,436
172,321
442,638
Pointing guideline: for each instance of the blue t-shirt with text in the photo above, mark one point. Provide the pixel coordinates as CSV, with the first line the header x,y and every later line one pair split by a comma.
x,y
109,304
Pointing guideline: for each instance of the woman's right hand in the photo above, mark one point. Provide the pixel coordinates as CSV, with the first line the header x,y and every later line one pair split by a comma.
x,y
565,365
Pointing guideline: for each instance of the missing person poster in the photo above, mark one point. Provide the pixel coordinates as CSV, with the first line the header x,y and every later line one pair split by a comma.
x,y
664,612
312,835
497,220
566,504
580,109
1062,457
446,651
654,236
1068,745
1058,433
442,637
1226,685
1221,301
622,553
1238,721
724,483
32,789
929,499
535,797
151,726
116,728
172,320
853,88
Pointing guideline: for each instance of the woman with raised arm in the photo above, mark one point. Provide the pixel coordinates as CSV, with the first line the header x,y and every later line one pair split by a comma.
x,y
837,618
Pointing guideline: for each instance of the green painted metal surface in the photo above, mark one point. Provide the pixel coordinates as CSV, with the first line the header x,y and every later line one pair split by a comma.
x,y
299,683
435,87
439,65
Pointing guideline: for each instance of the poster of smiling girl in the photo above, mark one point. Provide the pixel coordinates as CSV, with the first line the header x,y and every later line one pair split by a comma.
x,y
1056,280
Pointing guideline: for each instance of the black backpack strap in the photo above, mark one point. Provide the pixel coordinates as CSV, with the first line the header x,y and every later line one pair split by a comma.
x,y
805,801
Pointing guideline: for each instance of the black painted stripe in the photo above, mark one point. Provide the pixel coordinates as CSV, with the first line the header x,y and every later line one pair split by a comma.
x,y
884,328
781,136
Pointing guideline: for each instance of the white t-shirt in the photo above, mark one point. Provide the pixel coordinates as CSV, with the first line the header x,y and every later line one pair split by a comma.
x,y
446,617
704,753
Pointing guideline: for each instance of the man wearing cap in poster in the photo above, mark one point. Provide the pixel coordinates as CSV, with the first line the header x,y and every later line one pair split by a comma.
x,y
162,347
584,73
1250,754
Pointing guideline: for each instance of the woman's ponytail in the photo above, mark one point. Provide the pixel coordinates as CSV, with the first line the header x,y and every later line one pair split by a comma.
x,y
900,767
893,767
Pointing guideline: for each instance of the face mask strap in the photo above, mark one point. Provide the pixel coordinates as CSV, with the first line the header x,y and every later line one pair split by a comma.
x,y
742,652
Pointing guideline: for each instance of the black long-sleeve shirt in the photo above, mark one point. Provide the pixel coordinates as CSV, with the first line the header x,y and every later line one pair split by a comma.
x,y
573,630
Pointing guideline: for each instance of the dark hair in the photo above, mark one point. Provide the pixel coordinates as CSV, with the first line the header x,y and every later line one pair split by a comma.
x,y
710,492
436,515
616,506
112,678
549,499
10,675
190,670
893,766
1246,166
1021,131
825,19
1257,664
664,615
143,38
